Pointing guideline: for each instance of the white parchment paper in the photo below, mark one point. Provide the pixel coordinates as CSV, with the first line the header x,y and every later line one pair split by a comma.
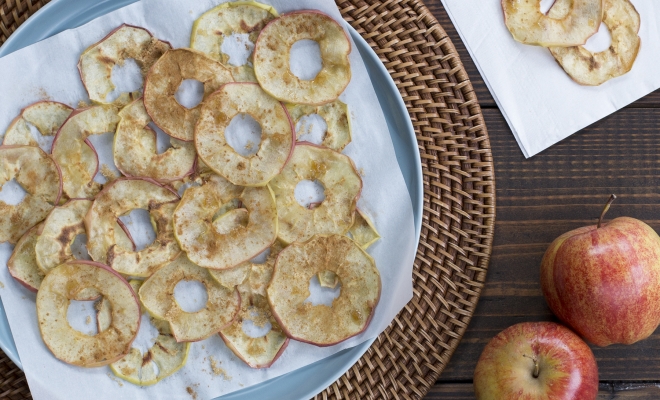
x,y
47,70
540,102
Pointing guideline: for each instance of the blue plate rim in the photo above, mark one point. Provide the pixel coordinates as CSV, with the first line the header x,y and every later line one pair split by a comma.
x,y
415,191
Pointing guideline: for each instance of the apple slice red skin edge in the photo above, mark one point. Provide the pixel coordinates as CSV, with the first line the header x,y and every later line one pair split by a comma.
x,y
107,36
57,167
350,44
255,366
288,334
288,116
20,115
488,358
135,298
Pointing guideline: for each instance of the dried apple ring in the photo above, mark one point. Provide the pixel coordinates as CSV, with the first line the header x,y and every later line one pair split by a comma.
x,y
593,69
40,177
162,359
135,152
349,314
277,134
220,310
528,25
233,18
127,41
75,154
235,276
67,344
163,81
342,184
46,116
259,352
336,117
119,198
272,53
220,225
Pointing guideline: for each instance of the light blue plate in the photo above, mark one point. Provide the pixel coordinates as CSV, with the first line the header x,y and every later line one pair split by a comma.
x,y
59,15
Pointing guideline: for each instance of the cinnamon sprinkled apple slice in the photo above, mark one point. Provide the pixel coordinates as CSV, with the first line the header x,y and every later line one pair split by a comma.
x,y
336,117
528,25
350,313
232,18
126,41
272,53
157,297
39,176
135,152
164,80
46,116
67,344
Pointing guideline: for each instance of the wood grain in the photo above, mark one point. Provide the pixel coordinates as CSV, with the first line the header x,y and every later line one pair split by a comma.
x,y
540,198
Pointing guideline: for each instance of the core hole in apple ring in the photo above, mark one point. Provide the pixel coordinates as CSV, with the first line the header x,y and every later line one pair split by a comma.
x,y
191,295
272,58
305,59
243,134
310,194
324,288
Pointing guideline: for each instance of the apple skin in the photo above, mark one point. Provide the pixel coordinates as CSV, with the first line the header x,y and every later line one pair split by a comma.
x,y
566,366
605,282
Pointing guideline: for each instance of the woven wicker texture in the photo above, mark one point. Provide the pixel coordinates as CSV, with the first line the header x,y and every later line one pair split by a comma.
x,y
459,201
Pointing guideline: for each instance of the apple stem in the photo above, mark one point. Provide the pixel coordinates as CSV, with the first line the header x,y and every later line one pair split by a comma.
x,y
535,373
607,207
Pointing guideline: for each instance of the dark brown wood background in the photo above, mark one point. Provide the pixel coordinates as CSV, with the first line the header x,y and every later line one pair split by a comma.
x,y
540,198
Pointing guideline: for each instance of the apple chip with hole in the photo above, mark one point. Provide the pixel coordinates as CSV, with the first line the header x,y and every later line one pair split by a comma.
x,y
272,52
157,297
244,18
38,174
123,43
350,313
336,117
220,225
593,69
342,184
363,231
46,116
119,198
63,284
135,150
164,80
529,25
263,351
277,134
164,357
75,154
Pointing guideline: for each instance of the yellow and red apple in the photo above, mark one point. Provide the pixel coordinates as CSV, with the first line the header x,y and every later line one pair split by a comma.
x,y
604,280
536,360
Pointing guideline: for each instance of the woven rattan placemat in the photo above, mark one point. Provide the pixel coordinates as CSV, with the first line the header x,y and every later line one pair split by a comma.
x,y
459,201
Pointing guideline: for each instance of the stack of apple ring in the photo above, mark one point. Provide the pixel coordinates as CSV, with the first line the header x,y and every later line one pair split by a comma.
x,y
566,28
235,210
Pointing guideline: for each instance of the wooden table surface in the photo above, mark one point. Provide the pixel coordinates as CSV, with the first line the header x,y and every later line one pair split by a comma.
x,y
537,200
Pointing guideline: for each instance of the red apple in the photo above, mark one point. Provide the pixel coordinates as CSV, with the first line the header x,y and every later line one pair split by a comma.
x,y
536,360
604,280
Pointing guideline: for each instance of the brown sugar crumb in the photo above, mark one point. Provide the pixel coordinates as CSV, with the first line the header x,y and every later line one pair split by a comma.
x,y
191,392
217,370
114,378
88,320
2,285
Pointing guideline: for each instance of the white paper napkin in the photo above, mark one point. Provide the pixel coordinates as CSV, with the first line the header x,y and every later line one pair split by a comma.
x,y
538,99
47,70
